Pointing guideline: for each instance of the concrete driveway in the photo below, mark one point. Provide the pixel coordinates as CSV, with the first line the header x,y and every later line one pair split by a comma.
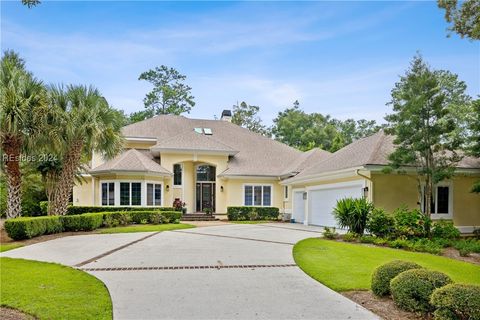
x,y
219,272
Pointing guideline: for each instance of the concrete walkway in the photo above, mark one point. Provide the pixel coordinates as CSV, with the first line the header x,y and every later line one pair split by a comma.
x,y
218,272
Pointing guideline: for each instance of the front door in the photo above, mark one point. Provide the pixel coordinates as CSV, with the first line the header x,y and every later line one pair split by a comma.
x,y
205,196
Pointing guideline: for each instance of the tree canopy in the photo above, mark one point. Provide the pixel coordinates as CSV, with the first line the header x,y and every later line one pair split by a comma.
x,y
246,116
464,18
428,120
170,94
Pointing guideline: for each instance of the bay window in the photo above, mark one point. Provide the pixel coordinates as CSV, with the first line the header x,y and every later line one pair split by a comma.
x,y
108,194
154,194
130,193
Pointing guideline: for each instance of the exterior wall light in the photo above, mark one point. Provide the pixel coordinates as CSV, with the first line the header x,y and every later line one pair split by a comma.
x,y
168,187
221,188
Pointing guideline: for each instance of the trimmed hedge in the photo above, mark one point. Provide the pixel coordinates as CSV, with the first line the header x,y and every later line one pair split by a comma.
x,y
29,227
385,273
456,301
252,213
73,210
26,228
82,222
411,290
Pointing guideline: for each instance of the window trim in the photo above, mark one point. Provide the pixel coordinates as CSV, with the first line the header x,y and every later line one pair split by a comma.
x,y
114,193
162,195
435,215
182,176
143,191
261,197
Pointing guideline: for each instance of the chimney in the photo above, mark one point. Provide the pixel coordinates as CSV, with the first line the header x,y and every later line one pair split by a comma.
x,y
226,115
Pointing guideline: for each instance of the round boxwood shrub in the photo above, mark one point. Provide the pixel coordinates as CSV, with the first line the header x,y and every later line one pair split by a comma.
x,y
411,289
456,301
385,273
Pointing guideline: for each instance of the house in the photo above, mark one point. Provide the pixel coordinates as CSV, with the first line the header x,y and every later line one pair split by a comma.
x,y
214,164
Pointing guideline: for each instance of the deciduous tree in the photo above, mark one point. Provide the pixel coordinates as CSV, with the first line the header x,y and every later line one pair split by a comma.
x,y
246,116
464,18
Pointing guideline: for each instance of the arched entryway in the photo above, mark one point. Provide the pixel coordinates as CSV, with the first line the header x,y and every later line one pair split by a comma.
x,y
205,176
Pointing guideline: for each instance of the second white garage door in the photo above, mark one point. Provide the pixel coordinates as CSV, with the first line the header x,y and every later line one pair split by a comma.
x,y
323,200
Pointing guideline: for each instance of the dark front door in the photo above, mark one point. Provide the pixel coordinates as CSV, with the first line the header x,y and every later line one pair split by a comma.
x,y
205,196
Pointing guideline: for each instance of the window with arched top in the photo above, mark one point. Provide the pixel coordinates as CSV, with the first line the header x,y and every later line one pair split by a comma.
x,y
206,173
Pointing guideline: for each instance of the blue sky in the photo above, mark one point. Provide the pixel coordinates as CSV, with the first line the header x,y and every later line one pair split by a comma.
x,y
337,58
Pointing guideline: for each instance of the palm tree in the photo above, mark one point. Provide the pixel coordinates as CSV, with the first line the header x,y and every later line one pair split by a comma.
x,y
86,123
22,108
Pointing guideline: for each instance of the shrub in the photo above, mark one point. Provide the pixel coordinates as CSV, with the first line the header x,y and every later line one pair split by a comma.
x,y
26,228
350,237
44,207
476,233
383,274
113,219
427,245
171,216
445,229
83,222
380,223
467,246
380,241
400,244
353,214
330,233
73,210
246,212
411,289
456,301
411,223
367,239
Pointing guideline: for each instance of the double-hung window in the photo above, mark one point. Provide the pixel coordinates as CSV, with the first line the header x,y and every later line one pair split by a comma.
x,y
154,194
130,193
108,193
257,195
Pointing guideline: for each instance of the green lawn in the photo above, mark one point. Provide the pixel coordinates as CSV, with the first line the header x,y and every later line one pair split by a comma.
x,y
146,228
9,246
345,266
51,291
252,222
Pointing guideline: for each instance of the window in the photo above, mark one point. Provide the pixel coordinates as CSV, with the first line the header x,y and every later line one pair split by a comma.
x,y
177,174
154,194
441,200
108,194
285,192
130,193
124,194
257,195
206,173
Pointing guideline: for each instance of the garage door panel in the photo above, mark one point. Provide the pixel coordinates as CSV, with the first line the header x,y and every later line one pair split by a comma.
x,y
322,202
298,207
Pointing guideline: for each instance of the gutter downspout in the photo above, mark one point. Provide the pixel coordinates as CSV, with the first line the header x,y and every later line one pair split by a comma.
x,y
370,192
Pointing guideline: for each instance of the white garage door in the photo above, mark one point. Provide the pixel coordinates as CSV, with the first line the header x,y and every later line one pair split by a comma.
x,y
298,207
322,201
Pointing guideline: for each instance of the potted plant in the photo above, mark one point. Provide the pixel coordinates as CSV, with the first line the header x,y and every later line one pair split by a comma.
x,y
179,205
208,211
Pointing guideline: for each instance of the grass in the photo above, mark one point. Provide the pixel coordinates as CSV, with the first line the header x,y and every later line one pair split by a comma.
x,y
252,222
147,228
344,266
9,246
52,291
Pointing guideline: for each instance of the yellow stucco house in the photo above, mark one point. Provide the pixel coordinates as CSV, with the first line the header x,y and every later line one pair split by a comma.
x,y
214,164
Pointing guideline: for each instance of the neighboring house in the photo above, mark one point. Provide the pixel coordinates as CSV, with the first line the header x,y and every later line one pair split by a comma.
x,y
214,164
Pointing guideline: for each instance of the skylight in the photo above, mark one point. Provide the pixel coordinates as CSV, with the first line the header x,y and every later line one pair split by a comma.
x,y
198,130
207,131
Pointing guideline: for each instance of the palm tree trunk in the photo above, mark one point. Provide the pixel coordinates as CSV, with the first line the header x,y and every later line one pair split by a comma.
x,y
63,188
11,145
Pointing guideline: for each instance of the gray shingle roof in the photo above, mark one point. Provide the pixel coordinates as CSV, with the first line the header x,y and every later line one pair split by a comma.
x,y
256,155
193,141
372,150
131,160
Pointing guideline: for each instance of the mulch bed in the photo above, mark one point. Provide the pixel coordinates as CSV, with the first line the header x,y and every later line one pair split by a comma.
x,y
383,307
12,314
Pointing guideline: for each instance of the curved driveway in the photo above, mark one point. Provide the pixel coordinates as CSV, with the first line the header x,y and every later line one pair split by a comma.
x,y
227,271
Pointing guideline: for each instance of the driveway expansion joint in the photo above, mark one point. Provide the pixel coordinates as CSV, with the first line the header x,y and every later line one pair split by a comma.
x,y
218,267
233,237
81,264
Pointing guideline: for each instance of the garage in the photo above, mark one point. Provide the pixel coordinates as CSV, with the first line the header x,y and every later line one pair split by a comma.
x,y
322,200
298,206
